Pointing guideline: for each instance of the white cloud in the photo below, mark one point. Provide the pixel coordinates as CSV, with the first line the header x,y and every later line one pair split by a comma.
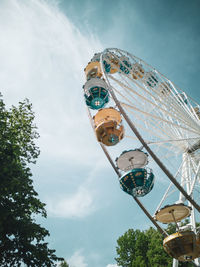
x,y
43,56
77,197
77,260
112,265
77,205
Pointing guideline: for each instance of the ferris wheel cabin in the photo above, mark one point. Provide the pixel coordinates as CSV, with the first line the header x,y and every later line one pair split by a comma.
x,y
108,127
96,93
111,63
183,245
137,180
137,71
150,79
125,65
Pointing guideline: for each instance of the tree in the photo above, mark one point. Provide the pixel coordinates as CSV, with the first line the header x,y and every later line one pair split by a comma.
x,y
137,248
22,240
132,247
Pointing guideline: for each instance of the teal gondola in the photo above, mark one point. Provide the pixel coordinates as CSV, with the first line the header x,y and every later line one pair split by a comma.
x,y
97,98
96,93
137,182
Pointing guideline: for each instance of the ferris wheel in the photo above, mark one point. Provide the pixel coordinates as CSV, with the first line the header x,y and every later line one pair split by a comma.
x,y
141,118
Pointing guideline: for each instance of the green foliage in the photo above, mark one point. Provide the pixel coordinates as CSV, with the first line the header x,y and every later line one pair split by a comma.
x,y
156,254
63,264
132,246
137,248
21,238
138,262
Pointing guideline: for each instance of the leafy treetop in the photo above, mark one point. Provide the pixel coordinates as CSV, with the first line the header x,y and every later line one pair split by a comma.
x,y
22,240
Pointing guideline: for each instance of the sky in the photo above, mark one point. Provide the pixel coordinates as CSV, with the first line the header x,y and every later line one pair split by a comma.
x,y
44,48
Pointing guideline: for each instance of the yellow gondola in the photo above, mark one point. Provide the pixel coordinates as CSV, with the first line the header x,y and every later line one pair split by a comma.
x,y
137,71
93,70
108,128
182,246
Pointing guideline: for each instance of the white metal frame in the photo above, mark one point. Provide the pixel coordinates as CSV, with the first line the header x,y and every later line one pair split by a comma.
x,y
170,120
